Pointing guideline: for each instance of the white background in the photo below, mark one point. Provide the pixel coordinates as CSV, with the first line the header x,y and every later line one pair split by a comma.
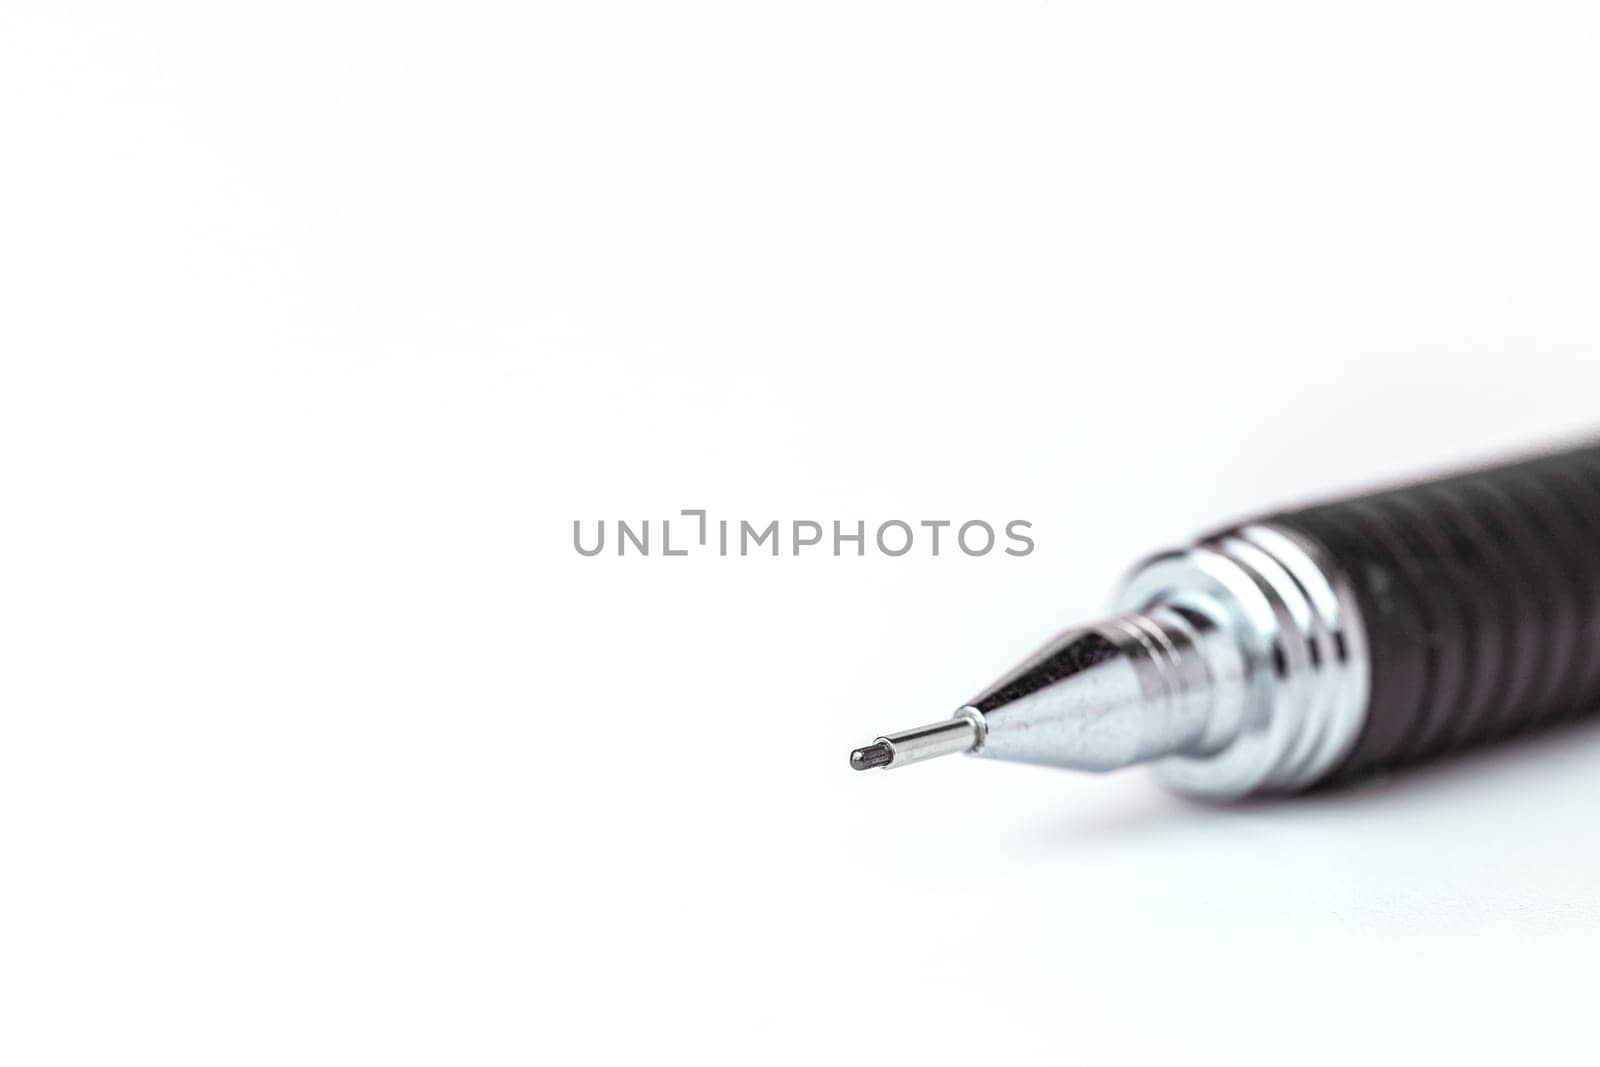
x,y
321,323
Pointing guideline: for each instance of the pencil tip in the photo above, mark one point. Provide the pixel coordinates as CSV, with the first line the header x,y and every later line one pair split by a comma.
x,y
877,754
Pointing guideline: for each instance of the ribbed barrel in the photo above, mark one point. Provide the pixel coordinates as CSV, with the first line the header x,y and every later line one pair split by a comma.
x,y
1480,594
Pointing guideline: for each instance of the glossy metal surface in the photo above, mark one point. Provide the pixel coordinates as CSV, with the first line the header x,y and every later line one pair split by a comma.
x,y
1297,629
960,734
1238,666
1123,691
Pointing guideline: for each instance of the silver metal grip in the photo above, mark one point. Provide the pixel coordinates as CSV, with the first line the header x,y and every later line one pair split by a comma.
x,y
1237,666
1290,708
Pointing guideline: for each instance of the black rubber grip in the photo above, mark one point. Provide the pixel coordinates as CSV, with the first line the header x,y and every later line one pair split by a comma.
x,y
1481,599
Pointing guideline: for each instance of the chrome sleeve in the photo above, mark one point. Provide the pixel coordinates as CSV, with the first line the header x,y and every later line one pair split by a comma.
x,y
1278,599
